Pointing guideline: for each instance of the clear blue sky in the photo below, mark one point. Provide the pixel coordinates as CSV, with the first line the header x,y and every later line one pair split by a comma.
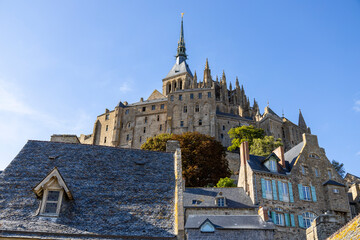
x,y
63,62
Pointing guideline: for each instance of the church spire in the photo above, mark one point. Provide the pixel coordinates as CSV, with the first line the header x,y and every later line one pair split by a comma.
x,y
181,50
301,123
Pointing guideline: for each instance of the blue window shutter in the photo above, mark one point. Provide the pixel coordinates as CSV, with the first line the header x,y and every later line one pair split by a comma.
x,y
274,189
291,193
313,193
301,196
301,221
292,218
273,217
287,219
280,191
263,188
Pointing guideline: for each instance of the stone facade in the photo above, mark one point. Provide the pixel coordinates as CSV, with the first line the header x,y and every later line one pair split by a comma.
x,y
209,106
295,187
322,227
353,184
350,231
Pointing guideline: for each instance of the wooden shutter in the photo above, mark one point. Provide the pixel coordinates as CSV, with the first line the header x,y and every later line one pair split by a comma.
x,y
313,193
301,196
274,189
280,191
263,188
291,192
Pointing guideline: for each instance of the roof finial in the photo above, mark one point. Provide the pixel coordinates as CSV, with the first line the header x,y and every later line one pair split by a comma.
x,y
181,50
207,64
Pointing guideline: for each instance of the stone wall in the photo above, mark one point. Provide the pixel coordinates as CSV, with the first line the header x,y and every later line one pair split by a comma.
x,y
322,227
350,231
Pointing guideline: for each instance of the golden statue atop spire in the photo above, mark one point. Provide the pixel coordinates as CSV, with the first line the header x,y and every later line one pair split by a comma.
x,y
182,14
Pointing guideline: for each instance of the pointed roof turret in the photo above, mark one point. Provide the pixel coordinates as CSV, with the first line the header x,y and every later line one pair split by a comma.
x,y
207,64
230,87
224,77
301,123
237,83
181,50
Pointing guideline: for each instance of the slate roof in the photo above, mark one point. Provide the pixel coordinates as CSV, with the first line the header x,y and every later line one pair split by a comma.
x,y
179,69
149,101
232,115
117,192
293,153
205,197
332,182
257,164
229,222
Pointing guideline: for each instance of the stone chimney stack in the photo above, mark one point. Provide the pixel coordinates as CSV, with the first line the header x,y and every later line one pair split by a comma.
x,y
244,157
280,154
263,213
174,146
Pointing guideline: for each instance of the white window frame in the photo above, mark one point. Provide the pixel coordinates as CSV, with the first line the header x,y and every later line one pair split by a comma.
x,y
285,191
220,201
306,193
45,201
268,189
308,218
279,219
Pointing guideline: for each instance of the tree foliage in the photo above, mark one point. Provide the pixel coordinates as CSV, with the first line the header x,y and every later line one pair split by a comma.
x,y
264,146
203,158
339,167
225,182
242,134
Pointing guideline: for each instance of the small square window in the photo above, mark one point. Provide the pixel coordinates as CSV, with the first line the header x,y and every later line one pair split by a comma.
x,y
200,122
335,190
153,107
191,96
105,140
200,95
143,109
107,127
162,106
185,109
144,129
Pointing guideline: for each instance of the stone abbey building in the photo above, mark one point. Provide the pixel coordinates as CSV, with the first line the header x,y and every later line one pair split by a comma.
x,y
187,104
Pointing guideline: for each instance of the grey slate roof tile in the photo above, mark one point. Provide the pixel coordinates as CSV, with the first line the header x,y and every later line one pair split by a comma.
x,y
235,197
229,222
112,194
332,182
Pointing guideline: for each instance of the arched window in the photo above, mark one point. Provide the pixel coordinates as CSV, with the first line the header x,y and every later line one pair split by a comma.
x,y
174,85
180,84
169,87
308,217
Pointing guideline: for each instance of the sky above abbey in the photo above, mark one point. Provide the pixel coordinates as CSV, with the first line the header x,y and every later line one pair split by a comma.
x,y
62,63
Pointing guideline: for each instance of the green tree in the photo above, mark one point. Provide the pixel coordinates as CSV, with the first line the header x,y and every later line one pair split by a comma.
x,y
264,146
242,134
157,143
203,158
339,167
225,182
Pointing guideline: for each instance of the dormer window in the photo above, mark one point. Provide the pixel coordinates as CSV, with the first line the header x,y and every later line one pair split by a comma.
x,y
52,190
221,202
273,167
207,226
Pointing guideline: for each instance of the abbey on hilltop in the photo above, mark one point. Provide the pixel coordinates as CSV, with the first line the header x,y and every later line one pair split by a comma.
x,y
187,104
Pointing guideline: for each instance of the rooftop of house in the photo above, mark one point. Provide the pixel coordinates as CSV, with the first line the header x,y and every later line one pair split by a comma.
x,y
229,222
205,197
179,68
116,192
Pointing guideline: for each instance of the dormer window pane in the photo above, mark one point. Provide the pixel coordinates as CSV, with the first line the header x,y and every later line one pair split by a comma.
x,y
53,195
52,201
221,202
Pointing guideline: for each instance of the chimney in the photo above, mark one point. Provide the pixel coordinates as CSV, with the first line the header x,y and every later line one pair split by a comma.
x,y
244,153
280,154
172,145
263,214
179,189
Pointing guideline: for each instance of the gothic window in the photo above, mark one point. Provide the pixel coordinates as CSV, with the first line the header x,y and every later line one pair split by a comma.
x,y
191,96
200,95
209,94
169,88
180,84
162,106
153,107
200,122
174,85
197,108
180,97
185,109
181,123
